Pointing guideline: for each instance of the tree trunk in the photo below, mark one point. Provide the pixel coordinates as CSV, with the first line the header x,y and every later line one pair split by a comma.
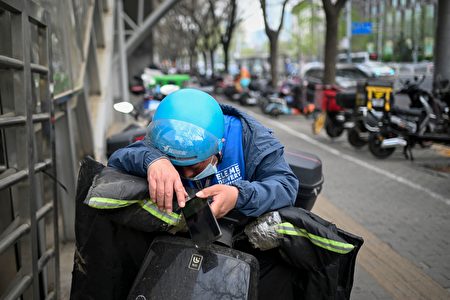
x,y
402,23
226,46
211,60
423,15
442,38
313,31
413,33
331,39
191,63
205,61
394,25
273,41
384,30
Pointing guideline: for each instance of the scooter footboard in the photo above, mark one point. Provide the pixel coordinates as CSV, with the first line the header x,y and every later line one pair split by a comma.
x,y
174,268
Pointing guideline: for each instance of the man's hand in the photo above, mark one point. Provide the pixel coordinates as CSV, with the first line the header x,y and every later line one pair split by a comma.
x,y
163,181
224,198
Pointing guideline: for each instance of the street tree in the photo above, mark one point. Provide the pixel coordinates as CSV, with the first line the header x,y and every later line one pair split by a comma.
x,y
198,26
332,11
273,35
213,32
221,21
230,22
202,16
196,16
178,26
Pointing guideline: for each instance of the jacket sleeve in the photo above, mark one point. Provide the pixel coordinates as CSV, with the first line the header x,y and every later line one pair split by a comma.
x,y
135,158
273,186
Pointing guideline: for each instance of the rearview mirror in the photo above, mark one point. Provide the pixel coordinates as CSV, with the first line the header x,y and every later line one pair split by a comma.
x,y
123,107
168,89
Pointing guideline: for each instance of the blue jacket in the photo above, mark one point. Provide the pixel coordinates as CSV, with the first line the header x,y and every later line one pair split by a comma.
x,y
269,185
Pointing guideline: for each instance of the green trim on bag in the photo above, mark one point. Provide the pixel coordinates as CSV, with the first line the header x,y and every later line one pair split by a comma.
x,y
331,245
109,203
149,206
152,208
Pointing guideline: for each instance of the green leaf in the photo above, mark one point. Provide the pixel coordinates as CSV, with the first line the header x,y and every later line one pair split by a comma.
x,y
304,5
299,7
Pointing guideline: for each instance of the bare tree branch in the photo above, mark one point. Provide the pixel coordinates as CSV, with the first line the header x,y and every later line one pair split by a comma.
x,y
273,39
282,15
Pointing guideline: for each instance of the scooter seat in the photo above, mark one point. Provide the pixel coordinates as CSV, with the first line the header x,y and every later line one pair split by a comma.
x,y
414,112
346,99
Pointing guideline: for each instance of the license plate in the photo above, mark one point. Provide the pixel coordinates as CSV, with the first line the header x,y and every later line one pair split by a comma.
x,y
289,99
377,102
349,125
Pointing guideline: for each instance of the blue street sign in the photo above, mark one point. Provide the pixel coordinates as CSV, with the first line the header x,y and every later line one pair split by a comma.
x,y
361,28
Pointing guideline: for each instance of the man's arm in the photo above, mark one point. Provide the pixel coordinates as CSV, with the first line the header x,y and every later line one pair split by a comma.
x,y
135,158
163,179
273,186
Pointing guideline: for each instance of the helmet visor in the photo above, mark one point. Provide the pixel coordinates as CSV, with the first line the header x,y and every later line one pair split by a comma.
x,y
184,143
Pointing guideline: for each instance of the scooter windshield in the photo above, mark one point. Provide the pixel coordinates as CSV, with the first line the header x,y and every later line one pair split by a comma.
x,y
184,143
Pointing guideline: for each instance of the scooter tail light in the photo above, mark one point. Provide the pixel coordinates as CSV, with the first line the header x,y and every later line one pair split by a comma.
x,y
138,138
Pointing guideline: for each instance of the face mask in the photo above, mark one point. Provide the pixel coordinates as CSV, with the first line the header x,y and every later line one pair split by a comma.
x,y
208,171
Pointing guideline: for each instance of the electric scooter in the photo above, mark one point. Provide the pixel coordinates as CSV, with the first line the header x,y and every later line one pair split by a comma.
x,y
426,121
179,268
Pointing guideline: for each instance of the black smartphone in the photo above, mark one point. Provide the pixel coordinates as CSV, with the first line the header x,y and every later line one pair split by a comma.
x,y
202,224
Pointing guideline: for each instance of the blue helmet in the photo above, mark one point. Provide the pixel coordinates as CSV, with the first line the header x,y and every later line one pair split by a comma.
x,y
188,127
245,82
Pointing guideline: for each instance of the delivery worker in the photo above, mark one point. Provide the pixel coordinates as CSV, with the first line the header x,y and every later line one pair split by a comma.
x,y
193,143
191,139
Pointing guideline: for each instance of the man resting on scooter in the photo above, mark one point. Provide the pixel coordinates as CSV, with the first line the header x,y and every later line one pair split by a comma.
x,y
193,143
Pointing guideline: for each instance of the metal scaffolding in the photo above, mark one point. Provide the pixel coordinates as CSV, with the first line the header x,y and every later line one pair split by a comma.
x,y
139,32
28,152
55,108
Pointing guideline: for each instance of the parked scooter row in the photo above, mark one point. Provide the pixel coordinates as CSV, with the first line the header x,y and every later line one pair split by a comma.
x,y
371,117
258,92
244,91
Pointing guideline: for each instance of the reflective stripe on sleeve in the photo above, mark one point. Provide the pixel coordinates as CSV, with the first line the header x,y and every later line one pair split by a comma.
x,y
149,206
331,245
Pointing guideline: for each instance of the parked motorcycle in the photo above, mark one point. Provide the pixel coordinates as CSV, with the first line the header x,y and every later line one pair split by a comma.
x,y
426,121
287,92
130,134
333,117
248,97
353,105
273,105
244,94
143,115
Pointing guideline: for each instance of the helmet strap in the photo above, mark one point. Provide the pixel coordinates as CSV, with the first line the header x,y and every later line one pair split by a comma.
x,y
219,157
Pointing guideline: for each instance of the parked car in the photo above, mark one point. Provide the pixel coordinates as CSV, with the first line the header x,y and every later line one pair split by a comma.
x,y
356,57
347,78
376,69
367,64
